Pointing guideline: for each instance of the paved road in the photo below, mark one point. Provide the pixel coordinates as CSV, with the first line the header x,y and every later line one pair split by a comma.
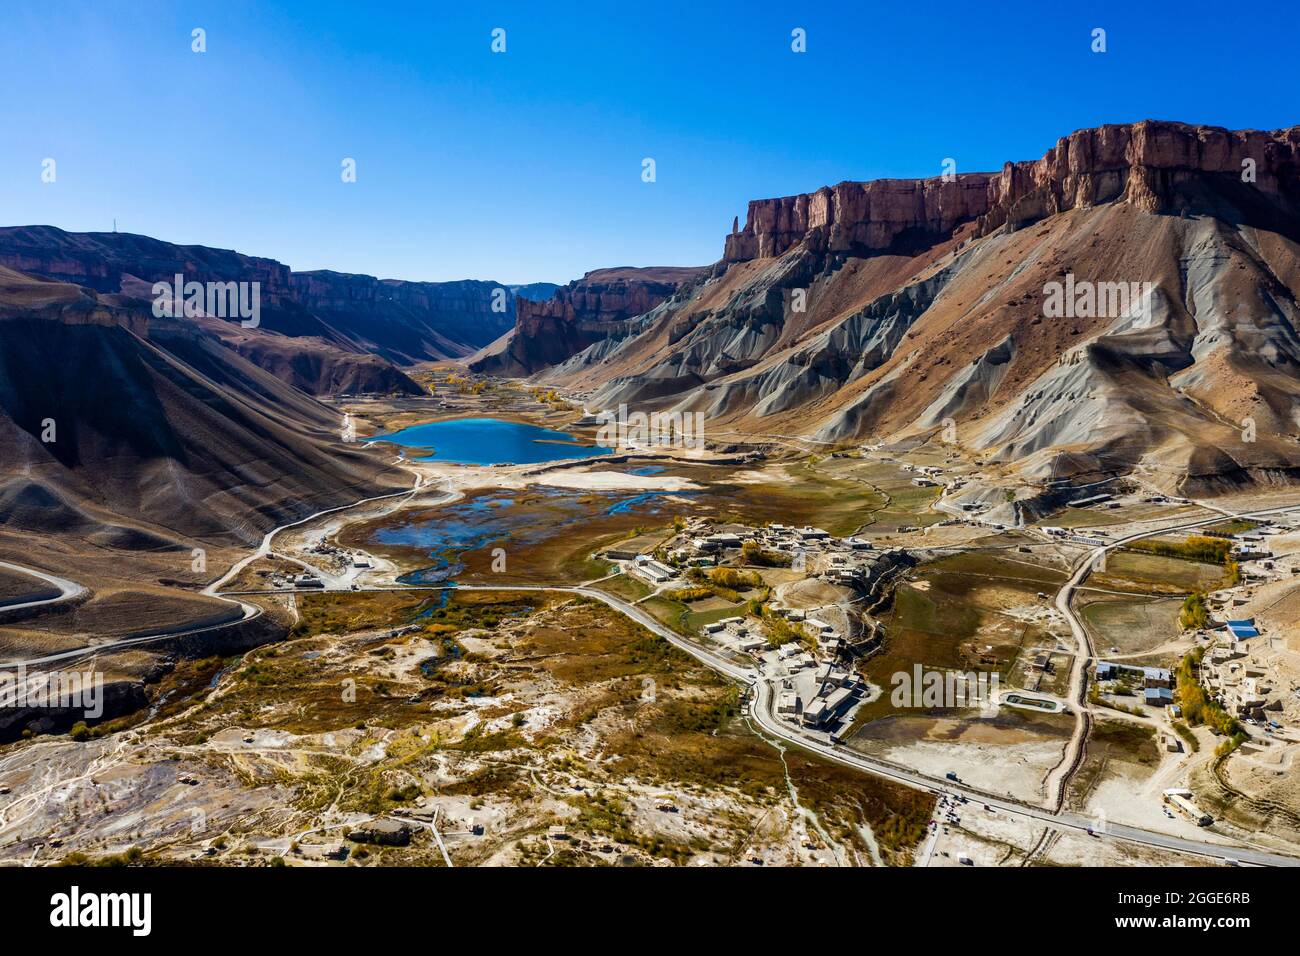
x,y
760,708
67,589
1072,758
265,547
249,611
761,711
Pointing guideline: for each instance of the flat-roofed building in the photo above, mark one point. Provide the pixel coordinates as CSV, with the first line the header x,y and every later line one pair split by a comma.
x,y
652,570
838,701
1243,630
814,712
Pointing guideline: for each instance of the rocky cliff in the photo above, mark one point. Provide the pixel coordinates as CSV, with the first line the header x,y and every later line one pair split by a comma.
x,y
408,321
99,260
892,307
880,216
585,311
402,322
1160,166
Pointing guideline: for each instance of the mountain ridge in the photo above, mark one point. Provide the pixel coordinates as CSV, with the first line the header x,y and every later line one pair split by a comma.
x,y
324,329
923,302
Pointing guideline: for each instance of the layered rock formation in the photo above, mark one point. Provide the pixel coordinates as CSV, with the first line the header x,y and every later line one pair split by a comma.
x,y
888,308
99,260
1159,166
880,216
326,316
142,456
585,311
1145,163
158,421
407,321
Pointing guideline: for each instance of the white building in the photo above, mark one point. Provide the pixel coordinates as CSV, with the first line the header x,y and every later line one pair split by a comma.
x,y
652,570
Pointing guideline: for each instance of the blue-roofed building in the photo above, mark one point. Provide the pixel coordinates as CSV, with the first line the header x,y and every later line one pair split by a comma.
x,y
1159,696
1243,629
1107,670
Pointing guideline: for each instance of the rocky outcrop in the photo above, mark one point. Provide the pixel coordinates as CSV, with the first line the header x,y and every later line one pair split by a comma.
x,y
1145,163
886,215
581,313
113,698
922,307
403,322
382,832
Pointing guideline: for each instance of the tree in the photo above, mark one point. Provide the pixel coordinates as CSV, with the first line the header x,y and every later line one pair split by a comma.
x,y
1194,614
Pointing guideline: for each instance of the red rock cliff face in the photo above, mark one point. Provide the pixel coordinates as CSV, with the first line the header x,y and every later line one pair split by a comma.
x,y
1143,163
1146,163
581,313
869,217
98,260
401,321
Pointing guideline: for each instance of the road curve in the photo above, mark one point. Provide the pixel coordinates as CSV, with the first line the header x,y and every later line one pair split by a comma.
x,y
760,708
72,589
265,547
1058,780
761,711
68,590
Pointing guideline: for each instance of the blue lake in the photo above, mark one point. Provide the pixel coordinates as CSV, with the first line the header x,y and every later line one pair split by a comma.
x,y
494,519
491,441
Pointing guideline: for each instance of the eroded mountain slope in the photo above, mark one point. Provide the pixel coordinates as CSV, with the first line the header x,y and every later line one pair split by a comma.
x,y
897,307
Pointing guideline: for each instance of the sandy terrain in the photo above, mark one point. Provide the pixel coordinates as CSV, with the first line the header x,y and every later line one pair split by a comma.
x,y
996,755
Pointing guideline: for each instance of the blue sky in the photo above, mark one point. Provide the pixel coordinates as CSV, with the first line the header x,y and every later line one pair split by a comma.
x,y
526,166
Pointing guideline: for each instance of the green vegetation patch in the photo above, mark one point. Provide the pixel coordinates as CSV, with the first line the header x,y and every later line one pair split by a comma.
x,y
1150,573
1194,615
1197,706
345,612
950,616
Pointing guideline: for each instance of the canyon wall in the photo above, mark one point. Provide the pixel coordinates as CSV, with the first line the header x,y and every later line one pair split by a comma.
x,y
404,322
579,314
1145,163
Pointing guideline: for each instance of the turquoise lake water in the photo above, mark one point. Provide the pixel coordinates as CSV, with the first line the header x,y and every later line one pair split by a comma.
x,y
490,441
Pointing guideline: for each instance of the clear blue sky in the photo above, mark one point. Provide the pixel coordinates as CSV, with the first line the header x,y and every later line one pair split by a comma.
x,y
526,165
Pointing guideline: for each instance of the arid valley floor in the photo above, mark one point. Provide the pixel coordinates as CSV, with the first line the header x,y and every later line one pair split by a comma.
x,y
593,661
